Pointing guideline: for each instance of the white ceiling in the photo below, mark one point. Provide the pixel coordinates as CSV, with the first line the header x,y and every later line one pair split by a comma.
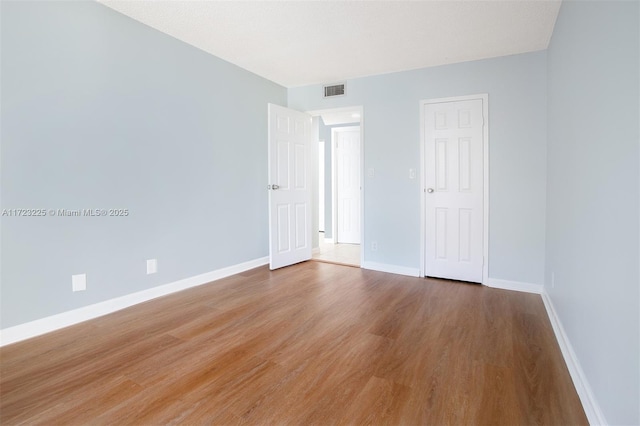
x,y
296,43
334,116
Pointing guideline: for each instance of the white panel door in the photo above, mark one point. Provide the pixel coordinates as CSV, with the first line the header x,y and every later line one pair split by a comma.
x,y
289,186
454,180
347,145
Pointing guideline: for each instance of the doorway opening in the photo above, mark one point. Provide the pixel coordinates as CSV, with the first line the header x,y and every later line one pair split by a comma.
x,y
339,197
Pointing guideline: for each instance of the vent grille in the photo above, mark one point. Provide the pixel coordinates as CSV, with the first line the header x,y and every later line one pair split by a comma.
x,y
334,90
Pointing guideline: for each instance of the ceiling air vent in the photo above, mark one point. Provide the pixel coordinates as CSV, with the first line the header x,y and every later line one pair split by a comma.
x,y
334,90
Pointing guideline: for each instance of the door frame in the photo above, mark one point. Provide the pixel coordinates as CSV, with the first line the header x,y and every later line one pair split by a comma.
x,y
484,97
334,182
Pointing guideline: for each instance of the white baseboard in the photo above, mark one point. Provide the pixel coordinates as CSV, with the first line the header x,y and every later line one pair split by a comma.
x,y
392,269
315,250
588,399
514,285
65,319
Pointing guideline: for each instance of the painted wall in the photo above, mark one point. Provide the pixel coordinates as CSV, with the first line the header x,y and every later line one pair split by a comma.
x,y
517,103
99,111
593,196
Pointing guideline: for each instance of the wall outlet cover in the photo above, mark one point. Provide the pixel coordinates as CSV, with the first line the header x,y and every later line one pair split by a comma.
x,y
79,282
152,266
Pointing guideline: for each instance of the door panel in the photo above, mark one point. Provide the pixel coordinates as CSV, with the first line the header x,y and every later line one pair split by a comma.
x,y
454,175
348,185
301,226
289,191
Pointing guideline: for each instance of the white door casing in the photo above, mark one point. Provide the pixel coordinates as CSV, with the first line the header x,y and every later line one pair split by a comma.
x,y
289,186
454,174
348,186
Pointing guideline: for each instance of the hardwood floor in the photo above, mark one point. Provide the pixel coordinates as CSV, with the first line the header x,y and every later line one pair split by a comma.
x,y
314,343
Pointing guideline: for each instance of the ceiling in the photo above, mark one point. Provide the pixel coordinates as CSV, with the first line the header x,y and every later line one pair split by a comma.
x,y
297,43
333,116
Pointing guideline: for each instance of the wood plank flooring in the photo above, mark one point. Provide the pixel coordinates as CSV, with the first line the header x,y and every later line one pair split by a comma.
x,y
312,344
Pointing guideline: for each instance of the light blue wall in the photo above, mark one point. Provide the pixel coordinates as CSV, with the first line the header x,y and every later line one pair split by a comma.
x,y
517,102
99,111
593,195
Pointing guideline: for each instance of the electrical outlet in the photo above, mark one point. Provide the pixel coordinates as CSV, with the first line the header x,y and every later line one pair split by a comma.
x,y
412,173
374,246
152,266
79,282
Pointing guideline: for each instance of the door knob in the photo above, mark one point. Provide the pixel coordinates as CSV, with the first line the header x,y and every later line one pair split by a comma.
x,y
429,190
275,186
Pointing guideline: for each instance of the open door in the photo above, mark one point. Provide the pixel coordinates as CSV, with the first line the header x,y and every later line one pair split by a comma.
x,y
289,186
